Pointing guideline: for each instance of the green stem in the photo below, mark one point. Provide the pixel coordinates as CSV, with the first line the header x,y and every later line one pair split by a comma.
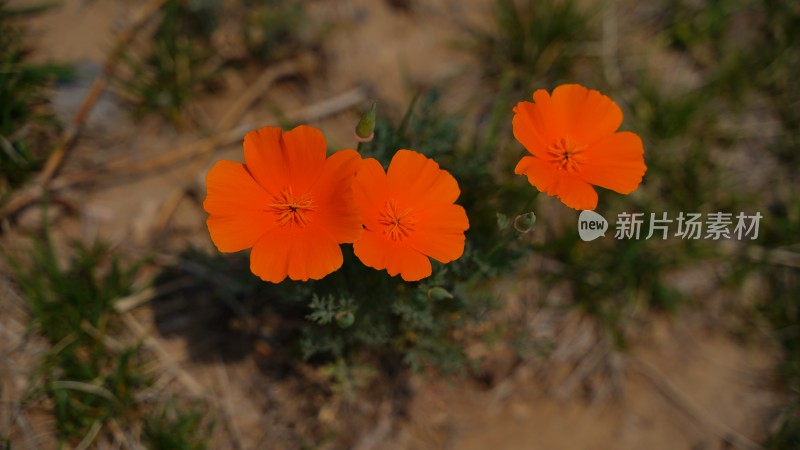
x,y
505,240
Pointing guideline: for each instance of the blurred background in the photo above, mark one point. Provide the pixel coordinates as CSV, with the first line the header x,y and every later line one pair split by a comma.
x,y
122,327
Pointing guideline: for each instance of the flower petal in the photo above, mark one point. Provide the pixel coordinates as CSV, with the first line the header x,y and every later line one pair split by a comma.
x,y
233,234
300,255
573,191
304,148
270,256
616,163
375,251
540,173
265,160
370,191
532,127
439,232
417,181
235,203
587,114
314,256
410,264
337,210
231,190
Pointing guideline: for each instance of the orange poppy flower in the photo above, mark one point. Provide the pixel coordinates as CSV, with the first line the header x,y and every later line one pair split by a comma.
x,y
287,201
408,215
572,137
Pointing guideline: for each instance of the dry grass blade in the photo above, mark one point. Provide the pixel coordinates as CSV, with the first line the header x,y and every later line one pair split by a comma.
x,y
226,406
84,387
194,387
36,188
90,436
130,302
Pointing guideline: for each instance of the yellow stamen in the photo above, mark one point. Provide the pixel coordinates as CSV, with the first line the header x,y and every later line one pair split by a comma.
x,y
566,155
397,224
291,210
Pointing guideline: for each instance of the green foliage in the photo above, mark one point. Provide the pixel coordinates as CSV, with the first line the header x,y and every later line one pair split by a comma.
x,y
90,377
175,428
349,377
176,66
26,125
272,29
533,41
182,59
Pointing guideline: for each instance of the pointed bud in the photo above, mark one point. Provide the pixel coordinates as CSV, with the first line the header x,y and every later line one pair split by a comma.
x,y
366,126
439,293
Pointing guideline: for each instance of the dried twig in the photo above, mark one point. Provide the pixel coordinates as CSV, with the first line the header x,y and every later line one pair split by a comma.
x,y
194,387
226,406
313,112
587,365
130,302
685,404
35,189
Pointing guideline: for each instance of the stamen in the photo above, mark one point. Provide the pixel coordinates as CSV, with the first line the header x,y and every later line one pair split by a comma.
x,y
397,224
291,210
566,155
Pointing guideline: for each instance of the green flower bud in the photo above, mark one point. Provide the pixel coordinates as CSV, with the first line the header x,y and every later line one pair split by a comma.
x,y
345,318
439,293
366,126
524,223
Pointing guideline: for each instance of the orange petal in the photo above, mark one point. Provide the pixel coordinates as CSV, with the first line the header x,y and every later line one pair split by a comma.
x,y
298,254
235,204
531,127
232,234
415,180
269,259
540,173
265,160
439,232
551,117
314,256
372,250
370,191
337,212
615,163
380,253
409,263
339,170
587,114
304,149
573,191
231,190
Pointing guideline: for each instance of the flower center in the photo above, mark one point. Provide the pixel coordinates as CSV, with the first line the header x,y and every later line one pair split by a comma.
x,y
290,209
566,155
397,224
